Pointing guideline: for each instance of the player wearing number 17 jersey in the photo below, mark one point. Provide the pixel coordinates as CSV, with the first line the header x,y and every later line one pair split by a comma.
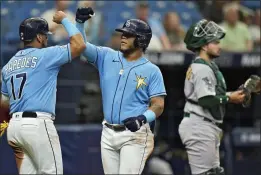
x,y
29,85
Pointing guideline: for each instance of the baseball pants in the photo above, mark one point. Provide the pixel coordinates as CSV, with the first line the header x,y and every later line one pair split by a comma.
x,y
36,144
126,152
202,140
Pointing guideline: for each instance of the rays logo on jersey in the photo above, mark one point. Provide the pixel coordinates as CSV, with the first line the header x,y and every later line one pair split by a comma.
x,y
140,81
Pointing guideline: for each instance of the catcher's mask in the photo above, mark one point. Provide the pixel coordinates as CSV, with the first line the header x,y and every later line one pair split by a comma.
x,y
202,33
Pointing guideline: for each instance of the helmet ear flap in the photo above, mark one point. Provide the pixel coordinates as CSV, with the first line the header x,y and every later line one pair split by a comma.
x,y
136,42
140,41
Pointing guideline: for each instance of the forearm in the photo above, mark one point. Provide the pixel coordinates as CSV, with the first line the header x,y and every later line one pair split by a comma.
x,y
77,44
90,51
157,109
4,101
80,27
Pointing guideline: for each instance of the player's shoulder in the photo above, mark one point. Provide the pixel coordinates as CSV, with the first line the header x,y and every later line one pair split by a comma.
x,y
57,49
198,67
110,50
65,46
2,71
106,51
151,66
110,54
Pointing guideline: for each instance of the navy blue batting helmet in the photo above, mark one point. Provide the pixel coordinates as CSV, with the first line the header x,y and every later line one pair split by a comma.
x,y
138,28
30,27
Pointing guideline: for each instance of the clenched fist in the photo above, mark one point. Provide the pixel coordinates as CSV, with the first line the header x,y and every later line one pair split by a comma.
x,y
59,16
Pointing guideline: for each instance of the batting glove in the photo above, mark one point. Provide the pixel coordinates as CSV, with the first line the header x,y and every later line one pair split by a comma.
x,y
135,123
83,14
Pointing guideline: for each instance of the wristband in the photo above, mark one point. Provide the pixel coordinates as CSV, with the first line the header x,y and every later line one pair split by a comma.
x,y
150,115
69,27
80,27
223,99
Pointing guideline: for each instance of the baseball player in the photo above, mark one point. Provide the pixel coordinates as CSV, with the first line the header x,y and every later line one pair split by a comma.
x,y
205,91
29,85
132,93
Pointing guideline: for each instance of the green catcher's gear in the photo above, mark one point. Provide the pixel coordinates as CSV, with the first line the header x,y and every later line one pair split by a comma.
x,y
202,33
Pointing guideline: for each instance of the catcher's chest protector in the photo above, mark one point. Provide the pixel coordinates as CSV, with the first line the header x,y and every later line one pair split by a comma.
x,y
221,87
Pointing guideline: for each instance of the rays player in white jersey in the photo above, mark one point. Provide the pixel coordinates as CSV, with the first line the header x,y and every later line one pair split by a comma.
x,y
29,85
132,94
206,94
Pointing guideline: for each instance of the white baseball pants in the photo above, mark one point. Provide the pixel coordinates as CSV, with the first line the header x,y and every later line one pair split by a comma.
x,y
202,140
36,144
126,152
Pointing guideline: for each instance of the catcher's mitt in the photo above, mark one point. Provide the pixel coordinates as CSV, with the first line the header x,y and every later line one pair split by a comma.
x,y
3,127
252,85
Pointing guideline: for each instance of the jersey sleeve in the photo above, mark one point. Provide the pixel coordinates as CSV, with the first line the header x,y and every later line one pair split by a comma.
x,y
92,54
56,56
204,82
4,90
95,54
156,85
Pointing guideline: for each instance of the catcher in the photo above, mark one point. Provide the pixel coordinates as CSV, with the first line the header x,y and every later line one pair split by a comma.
x,y
207,96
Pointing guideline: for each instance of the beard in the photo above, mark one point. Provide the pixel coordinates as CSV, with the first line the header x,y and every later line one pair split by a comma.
x,y
128,51
213,55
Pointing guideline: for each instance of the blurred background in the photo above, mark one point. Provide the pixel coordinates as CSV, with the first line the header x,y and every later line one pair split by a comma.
x,y
79,108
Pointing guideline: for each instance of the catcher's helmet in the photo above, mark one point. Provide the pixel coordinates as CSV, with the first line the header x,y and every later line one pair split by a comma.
x,y
202,33
140,29
30,27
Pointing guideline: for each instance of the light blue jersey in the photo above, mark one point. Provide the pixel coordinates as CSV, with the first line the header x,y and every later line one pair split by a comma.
x,y
29,79
126,86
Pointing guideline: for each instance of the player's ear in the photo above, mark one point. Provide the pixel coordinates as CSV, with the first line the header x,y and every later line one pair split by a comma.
x,y
39,38
204,47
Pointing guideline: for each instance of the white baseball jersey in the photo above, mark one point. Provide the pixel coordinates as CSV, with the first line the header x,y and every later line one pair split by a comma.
x,y
200,82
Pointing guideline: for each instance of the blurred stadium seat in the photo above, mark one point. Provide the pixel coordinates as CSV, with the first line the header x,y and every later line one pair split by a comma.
x,y
115,13
251,4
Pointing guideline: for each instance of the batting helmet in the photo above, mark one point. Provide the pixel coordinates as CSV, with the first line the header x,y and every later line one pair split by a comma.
x,y
138,28
202,33
30,27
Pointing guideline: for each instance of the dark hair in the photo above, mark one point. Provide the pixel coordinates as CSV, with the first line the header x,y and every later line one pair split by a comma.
x,y
27,42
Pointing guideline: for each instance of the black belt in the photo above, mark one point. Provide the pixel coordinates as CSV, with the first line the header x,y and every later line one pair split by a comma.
x,y
117,128
28,114
186,114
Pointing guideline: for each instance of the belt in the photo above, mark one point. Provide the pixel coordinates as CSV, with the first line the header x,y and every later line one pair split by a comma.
x,y
117,128
186,114
29,114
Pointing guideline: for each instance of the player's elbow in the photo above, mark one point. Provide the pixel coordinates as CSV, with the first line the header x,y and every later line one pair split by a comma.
x,y
4,102
81,48
77,46
77,49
